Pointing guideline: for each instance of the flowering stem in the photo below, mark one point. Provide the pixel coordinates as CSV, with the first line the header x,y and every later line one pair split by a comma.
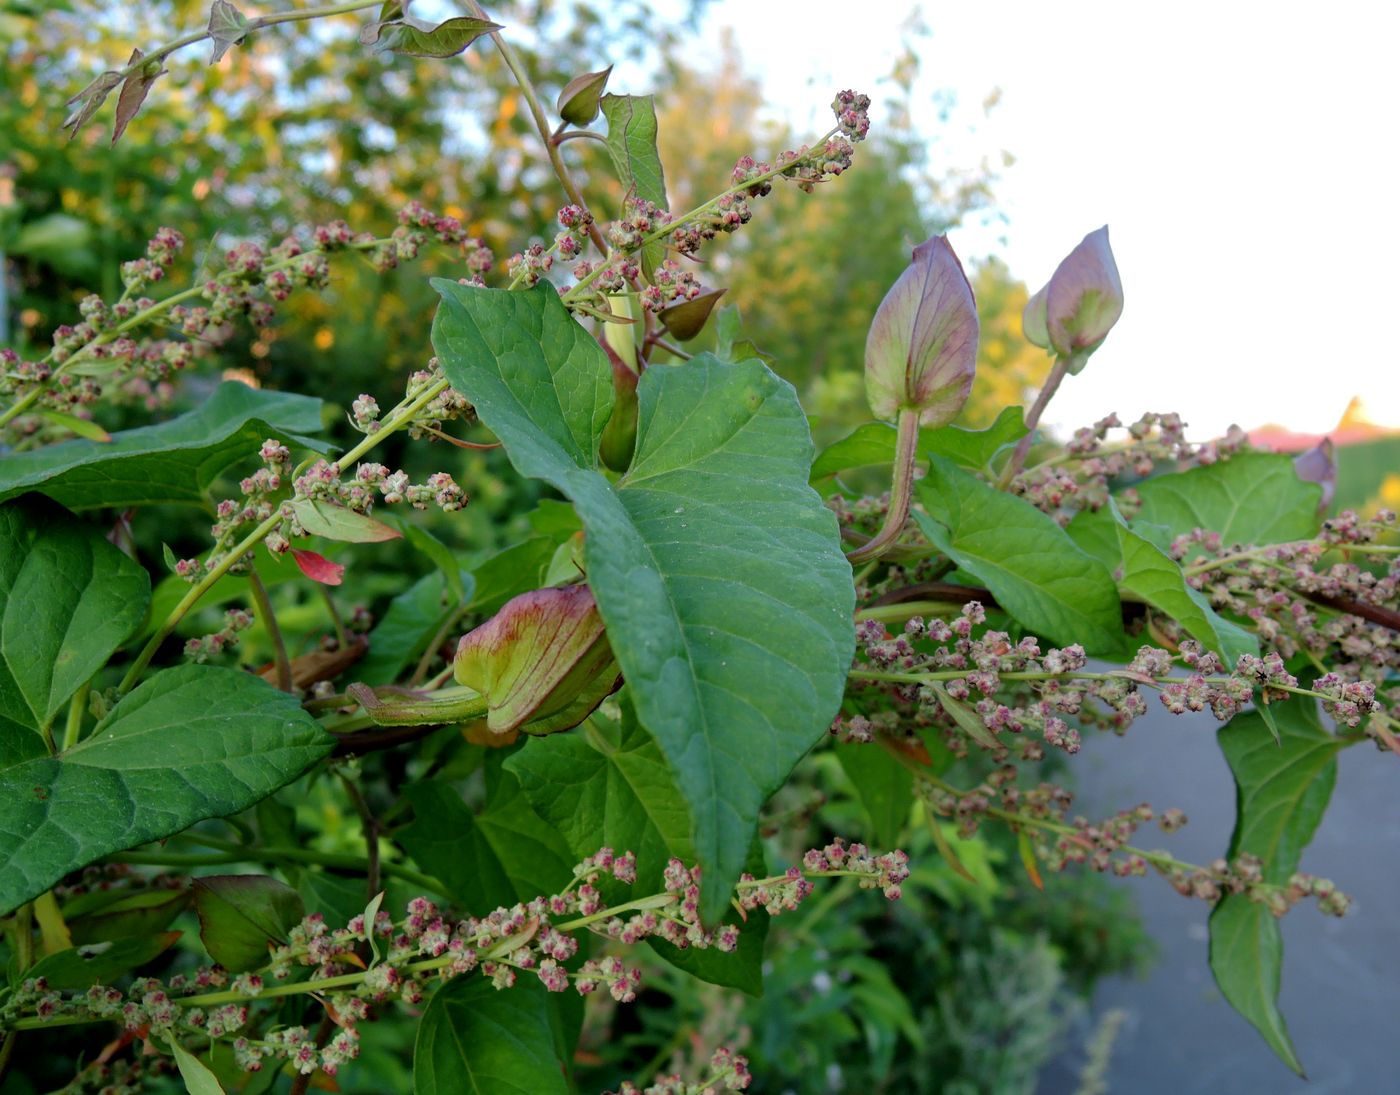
x,y
906,453
397,418
263,603
1047,393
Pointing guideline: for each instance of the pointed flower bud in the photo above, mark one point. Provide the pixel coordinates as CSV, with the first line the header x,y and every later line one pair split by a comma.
x,y
1076,309
578,102
1319,465
921,352
543,662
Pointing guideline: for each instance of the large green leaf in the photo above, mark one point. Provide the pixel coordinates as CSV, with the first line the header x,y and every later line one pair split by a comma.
x,y
476,1040
1252,498
68,599
174,462
190,743
631,141
1281,792
608,784
717,569
1036,572
1149,573
874,443
885,788
502,855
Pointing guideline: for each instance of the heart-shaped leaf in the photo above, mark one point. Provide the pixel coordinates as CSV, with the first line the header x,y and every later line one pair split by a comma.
x,y
190,743
717,569
631,141
241,914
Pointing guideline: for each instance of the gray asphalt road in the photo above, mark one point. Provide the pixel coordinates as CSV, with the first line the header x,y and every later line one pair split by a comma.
x,y
1341,978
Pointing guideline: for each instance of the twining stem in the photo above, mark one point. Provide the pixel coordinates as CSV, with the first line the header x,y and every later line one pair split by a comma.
x,y
370,824
195,36
263,603
1047,393
399,417
906,453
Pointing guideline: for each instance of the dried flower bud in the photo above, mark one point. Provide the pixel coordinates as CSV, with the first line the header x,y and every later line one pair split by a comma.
x,y
543,660
921,352
1077,308
578,102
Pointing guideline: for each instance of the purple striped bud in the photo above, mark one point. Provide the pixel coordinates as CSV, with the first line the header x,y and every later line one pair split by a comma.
x,y
1076,309
921,352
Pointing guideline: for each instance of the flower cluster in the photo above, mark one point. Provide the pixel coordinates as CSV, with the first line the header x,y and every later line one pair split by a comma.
x,y
728,1072
535,938
203,648
106,353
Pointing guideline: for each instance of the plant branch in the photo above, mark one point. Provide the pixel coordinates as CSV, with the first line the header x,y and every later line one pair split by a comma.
x,y
1047,393
263,604
906,454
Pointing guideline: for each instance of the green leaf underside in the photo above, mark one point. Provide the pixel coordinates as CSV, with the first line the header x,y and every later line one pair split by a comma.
x,y
104,963
239,915
874,443
885,788
476,1040
1282,791
195,1073
68,599
1038,574
172,463
1157,578
717,570
608,785
631,141
190,743
1252,498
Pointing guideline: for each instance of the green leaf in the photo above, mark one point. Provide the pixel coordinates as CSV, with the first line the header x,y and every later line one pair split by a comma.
x,y
227,27
83,427
334,522
68,599
172,463
874,443
240,914
196,1075
190,743
1281,793
608,785
116,916
1252,498
405,631
716,568
441,555
1035,571
505,854
885,787
1156,577
100,963
975,448
510,572
968,720
475,1040
415,38
631,141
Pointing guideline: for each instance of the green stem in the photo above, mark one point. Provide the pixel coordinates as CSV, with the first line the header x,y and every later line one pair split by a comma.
x,y
1047,392
906,610
906,454
76,706
263,604
286,855
396,419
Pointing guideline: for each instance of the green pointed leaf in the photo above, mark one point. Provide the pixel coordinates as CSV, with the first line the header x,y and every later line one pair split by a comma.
x,y
608,785
172,463
227,27
1157,578
968,720
711,532
874,443
241,914
334,522
83,427
505,854
398,640
117,915
1036,572
475,1040
194,1072
631,141
1252,498
867,445
1282,792
416,38
885,788
68,599
441,555
100,963
190,743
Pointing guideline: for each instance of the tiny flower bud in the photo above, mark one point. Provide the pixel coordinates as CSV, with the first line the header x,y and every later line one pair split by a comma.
x,y
578,102
921,352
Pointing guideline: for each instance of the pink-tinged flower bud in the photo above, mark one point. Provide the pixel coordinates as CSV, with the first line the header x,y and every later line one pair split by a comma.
x,y
1076,309
1319,465
543,662
921,352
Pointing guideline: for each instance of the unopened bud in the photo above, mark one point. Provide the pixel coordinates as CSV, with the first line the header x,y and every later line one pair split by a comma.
x,y
1076,309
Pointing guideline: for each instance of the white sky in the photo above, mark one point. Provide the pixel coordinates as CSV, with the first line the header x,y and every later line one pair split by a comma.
x,y
1243,154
